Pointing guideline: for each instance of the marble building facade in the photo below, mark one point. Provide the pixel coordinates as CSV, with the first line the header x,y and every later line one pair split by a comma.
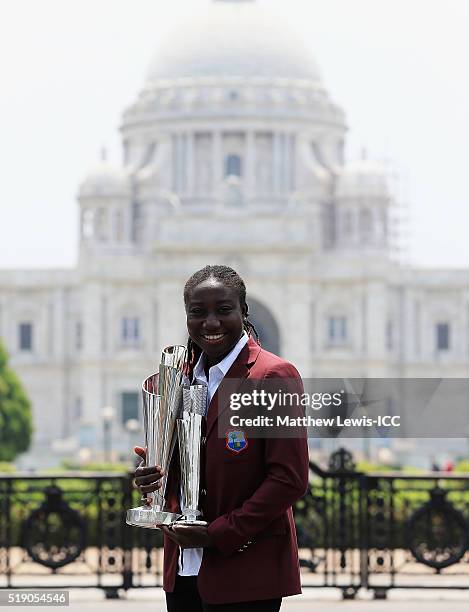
x,y
233,152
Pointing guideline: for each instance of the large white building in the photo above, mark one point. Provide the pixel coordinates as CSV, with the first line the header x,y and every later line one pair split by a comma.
x,y
232,153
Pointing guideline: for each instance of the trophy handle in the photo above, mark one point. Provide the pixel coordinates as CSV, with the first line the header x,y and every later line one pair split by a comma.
x,y
144,498
161,404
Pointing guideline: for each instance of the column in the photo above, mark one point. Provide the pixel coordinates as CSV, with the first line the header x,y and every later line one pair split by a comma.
x,y
277,170
190,164
174,162
92,359
217,161
182,163
250,162
104,325
465,328
417,315
50,329
292,161
356,225
376,318
363,318
458,342
286,163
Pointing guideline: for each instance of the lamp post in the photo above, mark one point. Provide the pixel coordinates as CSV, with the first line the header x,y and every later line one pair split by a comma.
x,y
108,416
133,428
84,455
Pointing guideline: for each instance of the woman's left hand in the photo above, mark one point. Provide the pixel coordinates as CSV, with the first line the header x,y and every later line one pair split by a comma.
x,y
189,536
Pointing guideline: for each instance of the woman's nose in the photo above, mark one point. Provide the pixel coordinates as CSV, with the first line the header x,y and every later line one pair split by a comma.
x,y
211,321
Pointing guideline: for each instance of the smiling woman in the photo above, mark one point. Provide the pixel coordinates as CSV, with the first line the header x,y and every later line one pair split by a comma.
x,y
217,312
248,486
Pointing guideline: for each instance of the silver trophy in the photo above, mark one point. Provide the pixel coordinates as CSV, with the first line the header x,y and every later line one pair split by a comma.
x,y
162,398
189,429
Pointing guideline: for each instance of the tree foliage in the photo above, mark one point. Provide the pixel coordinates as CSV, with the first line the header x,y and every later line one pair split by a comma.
x,y
15,413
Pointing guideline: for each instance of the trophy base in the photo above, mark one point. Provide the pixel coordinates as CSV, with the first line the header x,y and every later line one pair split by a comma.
x,y
189,522
147,517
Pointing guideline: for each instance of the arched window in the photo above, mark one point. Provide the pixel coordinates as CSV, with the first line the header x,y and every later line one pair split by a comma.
x,y
389,335
233,165
266,326
101,224
129,402
130,331
337,330
118,226
366,223
442,335
87,227
25,336
78,335
348,224
384,223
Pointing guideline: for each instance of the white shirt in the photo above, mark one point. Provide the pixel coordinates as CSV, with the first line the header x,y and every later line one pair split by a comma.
x,y
192,557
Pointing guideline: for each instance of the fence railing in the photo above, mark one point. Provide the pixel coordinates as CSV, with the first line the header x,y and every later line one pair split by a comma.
x,y
376,531
384,530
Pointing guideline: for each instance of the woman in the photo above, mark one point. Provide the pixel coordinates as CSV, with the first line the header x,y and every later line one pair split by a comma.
x,y
247,558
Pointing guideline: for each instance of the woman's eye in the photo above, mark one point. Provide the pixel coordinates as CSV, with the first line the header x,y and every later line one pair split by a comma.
x,y
225,309
195,311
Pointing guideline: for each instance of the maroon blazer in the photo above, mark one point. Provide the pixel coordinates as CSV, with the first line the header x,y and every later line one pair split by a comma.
x,y
247,500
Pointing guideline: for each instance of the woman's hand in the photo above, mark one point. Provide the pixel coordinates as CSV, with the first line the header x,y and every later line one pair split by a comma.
x,y
147,479
189,536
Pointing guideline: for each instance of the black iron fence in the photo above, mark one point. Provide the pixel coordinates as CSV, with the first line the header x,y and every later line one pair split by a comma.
x,y
384,530
355,530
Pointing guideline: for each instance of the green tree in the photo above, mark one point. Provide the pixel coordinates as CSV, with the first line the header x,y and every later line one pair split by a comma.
x,y
15,413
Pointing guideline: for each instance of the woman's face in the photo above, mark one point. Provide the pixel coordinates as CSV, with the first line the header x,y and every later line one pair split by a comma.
x,y
214,318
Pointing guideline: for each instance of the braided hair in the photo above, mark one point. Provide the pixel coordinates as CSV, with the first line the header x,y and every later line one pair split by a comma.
x,y
229,278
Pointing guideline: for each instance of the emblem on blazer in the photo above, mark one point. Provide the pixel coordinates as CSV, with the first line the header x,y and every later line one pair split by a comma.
x,y
236,441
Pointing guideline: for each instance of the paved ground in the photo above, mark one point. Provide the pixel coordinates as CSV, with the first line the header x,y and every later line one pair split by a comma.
x,y
314,600
319,600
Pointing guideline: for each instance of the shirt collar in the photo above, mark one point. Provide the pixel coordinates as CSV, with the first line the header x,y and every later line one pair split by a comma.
x,y
225,364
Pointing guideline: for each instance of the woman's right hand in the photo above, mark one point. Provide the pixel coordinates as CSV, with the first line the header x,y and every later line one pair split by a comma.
x,y
147,479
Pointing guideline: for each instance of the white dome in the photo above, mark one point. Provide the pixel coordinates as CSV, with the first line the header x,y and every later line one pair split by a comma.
x,y
105,180
362,179
233,38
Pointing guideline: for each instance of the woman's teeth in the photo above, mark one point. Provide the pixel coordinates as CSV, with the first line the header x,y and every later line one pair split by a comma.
x,y
214,336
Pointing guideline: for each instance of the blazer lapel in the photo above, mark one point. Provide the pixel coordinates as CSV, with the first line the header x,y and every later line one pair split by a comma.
x,y
238,372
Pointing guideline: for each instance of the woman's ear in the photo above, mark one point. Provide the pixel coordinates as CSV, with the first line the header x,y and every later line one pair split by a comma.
x,y
245,311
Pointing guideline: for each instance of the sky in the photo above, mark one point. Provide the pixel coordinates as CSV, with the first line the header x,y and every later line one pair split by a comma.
x,y
69,68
